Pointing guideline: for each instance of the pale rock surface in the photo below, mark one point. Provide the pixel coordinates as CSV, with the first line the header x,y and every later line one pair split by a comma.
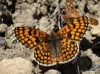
x,y
52,71
25,10
3,27
16,66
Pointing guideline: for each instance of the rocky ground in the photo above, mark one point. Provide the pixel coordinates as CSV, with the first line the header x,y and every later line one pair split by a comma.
x,y
17,59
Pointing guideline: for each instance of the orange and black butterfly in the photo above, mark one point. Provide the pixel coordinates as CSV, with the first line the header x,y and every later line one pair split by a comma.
x,y
49,49
58,47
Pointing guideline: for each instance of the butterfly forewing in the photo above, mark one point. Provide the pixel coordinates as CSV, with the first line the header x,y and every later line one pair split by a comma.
x,y
74,29
30,37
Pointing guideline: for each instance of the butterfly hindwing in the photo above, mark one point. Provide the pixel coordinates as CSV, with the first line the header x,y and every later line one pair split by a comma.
x,y
69,50
43,55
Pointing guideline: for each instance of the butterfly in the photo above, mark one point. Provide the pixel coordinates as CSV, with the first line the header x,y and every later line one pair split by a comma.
x,y
49,49
72,13
61,46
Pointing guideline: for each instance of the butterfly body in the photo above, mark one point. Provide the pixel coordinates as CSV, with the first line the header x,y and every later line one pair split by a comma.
x,y
54,42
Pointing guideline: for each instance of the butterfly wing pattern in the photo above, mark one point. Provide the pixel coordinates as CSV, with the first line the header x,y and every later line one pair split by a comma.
x,y
47,51
93,21
30,37
61,47
69,50
43,55
70,10
75,29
